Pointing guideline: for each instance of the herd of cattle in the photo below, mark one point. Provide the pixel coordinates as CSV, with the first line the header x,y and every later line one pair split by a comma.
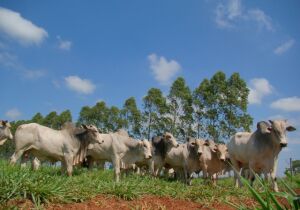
x,y
72,145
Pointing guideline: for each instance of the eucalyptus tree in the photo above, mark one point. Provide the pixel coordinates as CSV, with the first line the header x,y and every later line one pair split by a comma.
x,y
155,107
132,117
221,106
51,120
64,117
180,109
37,118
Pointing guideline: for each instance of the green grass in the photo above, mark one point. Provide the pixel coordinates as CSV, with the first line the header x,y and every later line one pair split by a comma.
x,y
48,185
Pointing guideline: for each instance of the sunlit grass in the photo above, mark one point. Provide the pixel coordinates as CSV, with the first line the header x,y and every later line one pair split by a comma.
x,y
48,185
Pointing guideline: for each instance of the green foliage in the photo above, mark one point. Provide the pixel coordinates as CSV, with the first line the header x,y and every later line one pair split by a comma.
x,y
180,109
132,117
269,200
221,106
155,107
48,185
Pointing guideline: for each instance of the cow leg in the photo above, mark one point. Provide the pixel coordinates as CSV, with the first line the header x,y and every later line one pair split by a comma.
x,y
35,164
117,164
69,164
63,167
214,179
273,176
16,156
237,173
24,159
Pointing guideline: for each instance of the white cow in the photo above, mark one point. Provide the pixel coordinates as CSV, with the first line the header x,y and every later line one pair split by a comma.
x,y
5,131
213,160
68,145
259,150
120,150
185,158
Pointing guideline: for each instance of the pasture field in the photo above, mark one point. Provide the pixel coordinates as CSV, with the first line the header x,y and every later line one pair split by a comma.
x,y
47,185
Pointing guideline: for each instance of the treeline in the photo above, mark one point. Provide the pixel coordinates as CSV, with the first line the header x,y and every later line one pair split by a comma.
x,y
216,109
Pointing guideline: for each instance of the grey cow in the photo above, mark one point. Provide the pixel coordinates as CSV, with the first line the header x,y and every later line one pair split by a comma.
x,y
259,150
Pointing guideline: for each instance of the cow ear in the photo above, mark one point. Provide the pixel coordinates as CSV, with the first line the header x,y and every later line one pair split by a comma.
x,y
264,127
271,121
79,131
290,128
84,126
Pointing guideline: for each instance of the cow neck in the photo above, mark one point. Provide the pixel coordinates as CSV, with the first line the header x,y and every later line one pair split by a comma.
x,y
83,141
131,144
266,141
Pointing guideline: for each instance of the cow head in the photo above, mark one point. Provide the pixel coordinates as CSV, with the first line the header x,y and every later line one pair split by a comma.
x,y
169,139
92,133
278,131
196,145
146,147
222,152
212,145
5,131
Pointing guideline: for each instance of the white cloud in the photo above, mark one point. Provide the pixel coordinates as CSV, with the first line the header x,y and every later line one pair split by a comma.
x,y
13,114
79,85
18,28
284,47
64,44
291,104
34,74
8,60
259,88
230,14
162,69
263,20
226,14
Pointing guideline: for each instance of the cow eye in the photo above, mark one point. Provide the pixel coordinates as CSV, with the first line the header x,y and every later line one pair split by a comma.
x,y
145,146
193,144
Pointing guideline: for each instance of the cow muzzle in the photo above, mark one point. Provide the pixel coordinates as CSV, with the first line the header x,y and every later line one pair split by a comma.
x,y
283,145
199,153
149,157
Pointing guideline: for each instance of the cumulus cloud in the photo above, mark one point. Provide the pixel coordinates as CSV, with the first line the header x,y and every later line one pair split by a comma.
x,y
259,88
163,69
64,44
284,47
13,114
20,29
82,86
291,104
230,14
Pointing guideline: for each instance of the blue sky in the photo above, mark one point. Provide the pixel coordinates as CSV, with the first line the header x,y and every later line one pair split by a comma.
x,y
68,54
